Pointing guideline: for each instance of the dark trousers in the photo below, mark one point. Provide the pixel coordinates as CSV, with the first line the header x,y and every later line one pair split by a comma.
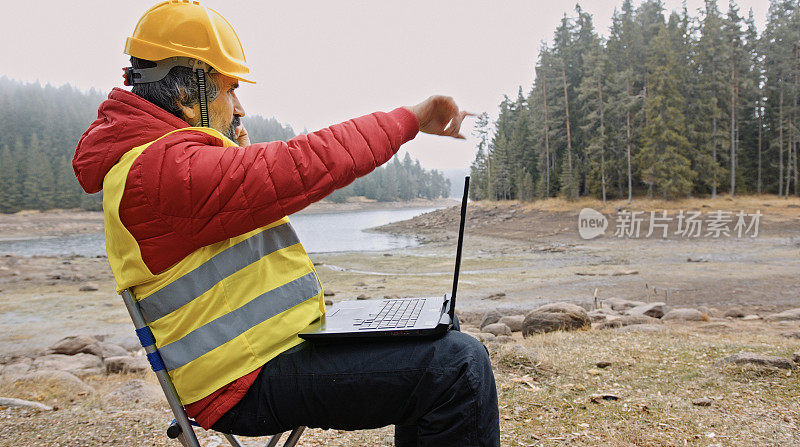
x,y
437,392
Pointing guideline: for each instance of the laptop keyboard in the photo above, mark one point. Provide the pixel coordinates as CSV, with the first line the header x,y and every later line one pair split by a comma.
x,y
397,313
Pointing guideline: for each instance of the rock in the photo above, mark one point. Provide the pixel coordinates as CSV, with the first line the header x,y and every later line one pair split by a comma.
x,y
111,350
61,380
362,297
705,310
497,329
642,328
328,302
786,315
16,368
12,402
601,314
702,402
735,312
514,322
485,337
126,363
328,293
655,310
685,314
495,296
504,339
796,357
627,320
750,358
137,391
73,344
89,287
562,307
603,364
129,343
491,317
791,334
619,304
751,317
80,365
539,322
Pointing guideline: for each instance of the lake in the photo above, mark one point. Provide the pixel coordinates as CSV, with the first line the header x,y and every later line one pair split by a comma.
x,y
319,233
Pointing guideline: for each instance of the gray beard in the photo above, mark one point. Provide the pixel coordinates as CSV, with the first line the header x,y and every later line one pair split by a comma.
x,y
231,131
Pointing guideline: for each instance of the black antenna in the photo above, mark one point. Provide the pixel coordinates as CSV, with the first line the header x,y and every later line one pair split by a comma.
x,y
460,242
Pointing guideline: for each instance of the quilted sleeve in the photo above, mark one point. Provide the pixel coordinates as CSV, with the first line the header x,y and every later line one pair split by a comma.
x,y
207,193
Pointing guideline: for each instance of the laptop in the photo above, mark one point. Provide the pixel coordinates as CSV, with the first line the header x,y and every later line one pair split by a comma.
x,y
408,317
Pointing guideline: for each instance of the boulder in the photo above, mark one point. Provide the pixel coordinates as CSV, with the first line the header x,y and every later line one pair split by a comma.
x,y
491,317
138,391
786,315
734,312
626,320
362,297
111,350
619,304
601,314
126,363
129,343
796,357
514,322
80,365
685,314
17,368
63,381
751,317
749,358
496,329
485,337
504,339
539,322
791,334
73,344
655,310
705,310
562,307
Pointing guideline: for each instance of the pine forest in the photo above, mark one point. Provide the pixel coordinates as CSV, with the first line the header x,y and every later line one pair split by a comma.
x,y
664,107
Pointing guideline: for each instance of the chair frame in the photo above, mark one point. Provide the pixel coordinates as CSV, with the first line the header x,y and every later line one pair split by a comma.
x,y
181,427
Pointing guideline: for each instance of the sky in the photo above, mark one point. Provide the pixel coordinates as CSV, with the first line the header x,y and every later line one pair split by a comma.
x,y
317,63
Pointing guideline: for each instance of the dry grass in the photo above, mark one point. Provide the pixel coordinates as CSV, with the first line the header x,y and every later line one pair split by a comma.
x,y
546,386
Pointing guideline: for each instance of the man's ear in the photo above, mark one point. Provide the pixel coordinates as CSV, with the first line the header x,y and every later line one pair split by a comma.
x,y
189,113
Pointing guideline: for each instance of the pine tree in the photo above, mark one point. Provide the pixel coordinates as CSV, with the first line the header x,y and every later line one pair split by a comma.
x,y
664,154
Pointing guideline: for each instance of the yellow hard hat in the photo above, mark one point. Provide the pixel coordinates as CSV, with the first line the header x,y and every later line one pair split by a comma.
x,y
183,28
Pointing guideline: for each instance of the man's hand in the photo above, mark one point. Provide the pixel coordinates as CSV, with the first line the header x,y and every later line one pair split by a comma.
x,y
241,136
435,113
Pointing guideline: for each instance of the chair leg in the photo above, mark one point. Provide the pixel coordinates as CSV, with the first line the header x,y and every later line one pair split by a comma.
x,y
232,439
273,440
294,437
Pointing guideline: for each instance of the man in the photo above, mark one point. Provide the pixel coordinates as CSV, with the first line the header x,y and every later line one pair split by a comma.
x,y
195,224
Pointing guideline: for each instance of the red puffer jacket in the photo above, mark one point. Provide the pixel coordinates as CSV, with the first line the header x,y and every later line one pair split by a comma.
x,y
186,191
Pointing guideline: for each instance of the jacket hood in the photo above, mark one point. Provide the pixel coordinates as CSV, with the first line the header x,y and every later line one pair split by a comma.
x,y
124,121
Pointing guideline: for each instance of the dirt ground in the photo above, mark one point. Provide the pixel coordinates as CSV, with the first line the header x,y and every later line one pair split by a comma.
x,y
531,253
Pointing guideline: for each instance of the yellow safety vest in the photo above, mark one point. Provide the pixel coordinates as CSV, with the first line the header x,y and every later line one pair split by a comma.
x,y
225,309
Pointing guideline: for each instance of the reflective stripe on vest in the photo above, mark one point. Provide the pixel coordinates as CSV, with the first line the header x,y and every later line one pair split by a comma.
x,y
226,308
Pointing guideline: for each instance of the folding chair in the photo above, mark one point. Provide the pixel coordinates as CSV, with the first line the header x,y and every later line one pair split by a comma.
x,y
181,427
